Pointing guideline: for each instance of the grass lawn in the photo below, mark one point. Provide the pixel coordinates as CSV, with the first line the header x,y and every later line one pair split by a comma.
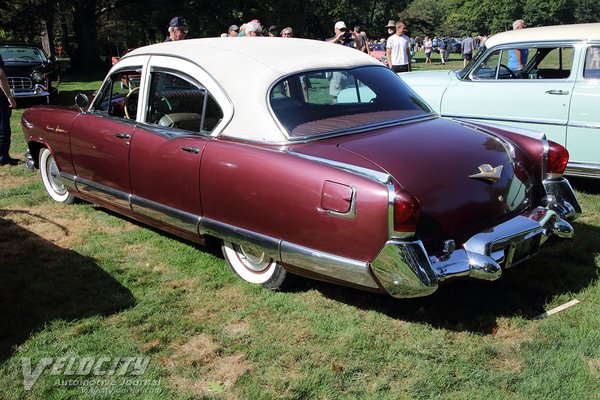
x,y
81,283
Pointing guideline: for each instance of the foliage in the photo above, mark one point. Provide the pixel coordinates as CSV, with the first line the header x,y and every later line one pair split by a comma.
x,y
92,30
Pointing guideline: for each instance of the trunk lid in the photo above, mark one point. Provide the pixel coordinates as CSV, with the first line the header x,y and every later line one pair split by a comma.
x,y
433,160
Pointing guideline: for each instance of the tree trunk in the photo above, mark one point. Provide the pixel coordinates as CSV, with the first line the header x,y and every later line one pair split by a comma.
x,y
84,24
47,34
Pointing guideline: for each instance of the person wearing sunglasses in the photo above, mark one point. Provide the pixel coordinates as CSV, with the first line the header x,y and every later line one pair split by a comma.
x,y
287,32
178,28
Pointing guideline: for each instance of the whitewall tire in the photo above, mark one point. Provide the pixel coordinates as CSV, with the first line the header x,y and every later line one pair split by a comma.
x,y
49,173
254,266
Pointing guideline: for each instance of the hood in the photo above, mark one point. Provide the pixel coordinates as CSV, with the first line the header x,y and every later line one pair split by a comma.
x,y
433,160
430,85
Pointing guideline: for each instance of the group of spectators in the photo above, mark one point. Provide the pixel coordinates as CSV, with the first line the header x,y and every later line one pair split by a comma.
x,y
398,50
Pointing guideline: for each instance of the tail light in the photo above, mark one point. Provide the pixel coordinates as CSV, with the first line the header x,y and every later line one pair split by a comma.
x,y
557,157
406,212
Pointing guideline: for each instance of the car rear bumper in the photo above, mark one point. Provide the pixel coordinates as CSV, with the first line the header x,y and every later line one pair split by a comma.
x,y
405,269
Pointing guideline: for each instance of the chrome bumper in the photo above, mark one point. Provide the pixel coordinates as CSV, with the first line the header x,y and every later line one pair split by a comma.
x,y
405,269
37,91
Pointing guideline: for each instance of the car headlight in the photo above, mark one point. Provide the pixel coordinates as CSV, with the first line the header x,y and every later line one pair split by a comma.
x,y
37,76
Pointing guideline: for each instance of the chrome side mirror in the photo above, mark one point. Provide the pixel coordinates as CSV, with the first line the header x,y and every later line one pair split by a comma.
x,y
82,101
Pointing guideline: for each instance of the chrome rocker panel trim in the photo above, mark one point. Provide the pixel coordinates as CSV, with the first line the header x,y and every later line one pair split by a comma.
x,y
330,265
405,270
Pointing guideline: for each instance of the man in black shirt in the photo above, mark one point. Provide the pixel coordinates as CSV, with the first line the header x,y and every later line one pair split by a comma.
x,y
7,103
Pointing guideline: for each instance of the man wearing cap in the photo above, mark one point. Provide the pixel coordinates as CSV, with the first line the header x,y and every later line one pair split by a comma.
x,y
233,31
178,28
397,50
343,37
273,31
391,27
287,32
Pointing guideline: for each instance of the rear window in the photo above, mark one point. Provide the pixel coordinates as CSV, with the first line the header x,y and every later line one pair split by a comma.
x,y
337,101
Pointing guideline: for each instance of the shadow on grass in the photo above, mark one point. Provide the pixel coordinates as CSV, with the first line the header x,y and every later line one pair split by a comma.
x,y
563,267
41,282
586,185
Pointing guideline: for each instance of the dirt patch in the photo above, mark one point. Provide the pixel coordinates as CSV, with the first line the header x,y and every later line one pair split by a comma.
x,y
218,373
237,330
56,223
11,181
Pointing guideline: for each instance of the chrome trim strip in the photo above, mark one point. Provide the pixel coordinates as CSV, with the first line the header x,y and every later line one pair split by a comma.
x,y
351,213
371,174
68,180
546,146
231,233
577,124
103,192
326,264
499,119
181,219
583,169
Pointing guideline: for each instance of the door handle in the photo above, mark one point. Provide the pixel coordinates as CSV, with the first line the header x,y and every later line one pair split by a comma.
x,y
194,150
123,135
558,92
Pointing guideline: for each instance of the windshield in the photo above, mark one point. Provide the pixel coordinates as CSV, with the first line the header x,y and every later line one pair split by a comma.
x,y
462,74
337,101
17,54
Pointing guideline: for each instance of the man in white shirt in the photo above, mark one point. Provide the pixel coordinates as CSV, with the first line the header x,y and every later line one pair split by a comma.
x,y
398,50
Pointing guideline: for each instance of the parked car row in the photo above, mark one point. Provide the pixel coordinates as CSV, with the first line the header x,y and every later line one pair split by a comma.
x,y
555,89
326,166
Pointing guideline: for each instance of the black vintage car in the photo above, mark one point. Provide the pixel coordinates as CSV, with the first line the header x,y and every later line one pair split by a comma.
x,y
29,71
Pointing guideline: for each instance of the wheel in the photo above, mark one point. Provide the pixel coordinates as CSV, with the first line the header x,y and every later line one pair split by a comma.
x,y
49,173
254,266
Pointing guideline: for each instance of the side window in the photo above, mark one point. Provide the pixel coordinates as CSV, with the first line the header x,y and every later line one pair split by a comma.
x,y
555,63
177,101
118,97
591,69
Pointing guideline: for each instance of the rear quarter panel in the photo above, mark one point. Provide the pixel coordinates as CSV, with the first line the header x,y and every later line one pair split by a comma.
x,y
278,194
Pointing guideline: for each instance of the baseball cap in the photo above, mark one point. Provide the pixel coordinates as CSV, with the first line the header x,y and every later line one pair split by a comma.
x,y
178,22
340,25
233,28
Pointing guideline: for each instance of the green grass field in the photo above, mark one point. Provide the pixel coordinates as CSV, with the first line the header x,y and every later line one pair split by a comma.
x,y
79,281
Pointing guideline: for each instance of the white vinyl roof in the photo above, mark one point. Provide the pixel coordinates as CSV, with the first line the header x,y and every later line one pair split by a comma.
x,y
579,32
246,67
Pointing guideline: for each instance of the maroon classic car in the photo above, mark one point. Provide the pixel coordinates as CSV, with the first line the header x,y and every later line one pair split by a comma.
x,y
304,158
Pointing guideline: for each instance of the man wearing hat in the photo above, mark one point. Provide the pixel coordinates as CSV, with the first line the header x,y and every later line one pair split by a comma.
x,y
391,27
233,31
343,37
178,28
273,31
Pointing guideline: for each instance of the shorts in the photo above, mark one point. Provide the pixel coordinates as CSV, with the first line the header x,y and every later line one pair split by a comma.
x,y
400,68
467,56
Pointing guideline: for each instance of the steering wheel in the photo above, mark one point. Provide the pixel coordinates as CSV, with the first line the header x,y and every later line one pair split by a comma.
x,y
130,103
511,74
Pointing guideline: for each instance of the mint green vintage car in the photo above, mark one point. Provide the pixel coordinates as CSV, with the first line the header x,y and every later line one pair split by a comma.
x,y
545,79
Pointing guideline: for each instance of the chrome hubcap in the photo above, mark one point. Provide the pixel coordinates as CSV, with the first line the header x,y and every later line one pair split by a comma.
x,y
253,259
53,174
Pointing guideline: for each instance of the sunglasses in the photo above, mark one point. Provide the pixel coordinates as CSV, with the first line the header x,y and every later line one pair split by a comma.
x,y
184,31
